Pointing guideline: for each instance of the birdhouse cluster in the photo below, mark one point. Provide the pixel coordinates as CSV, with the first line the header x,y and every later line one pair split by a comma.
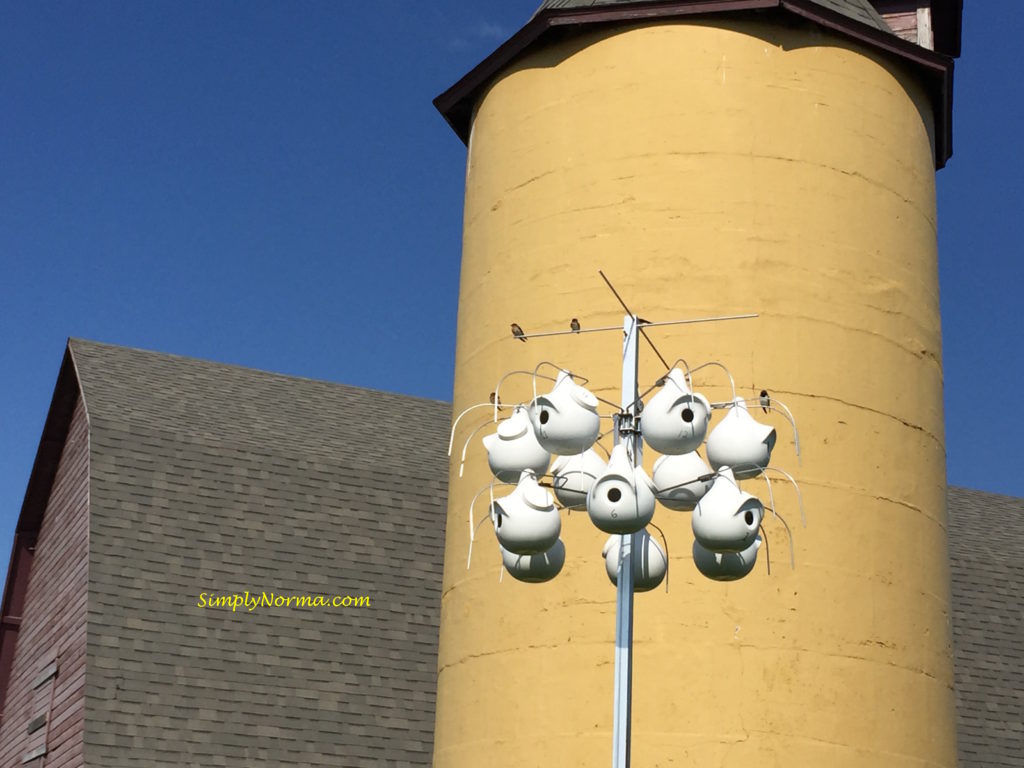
x,y
549,450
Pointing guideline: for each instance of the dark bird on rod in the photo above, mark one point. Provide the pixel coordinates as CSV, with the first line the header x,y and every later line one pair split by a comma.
x,y
575,325
518,332
766,402
494,399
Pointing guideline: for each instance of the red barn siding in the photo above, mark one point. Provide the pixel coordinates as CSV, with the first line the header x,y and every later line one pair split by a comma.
x,y
53,623
902,17
904,24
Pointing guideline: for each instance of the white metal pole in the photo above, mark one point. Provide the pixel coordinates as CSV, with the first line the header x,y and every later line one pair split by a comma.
x,y
626,430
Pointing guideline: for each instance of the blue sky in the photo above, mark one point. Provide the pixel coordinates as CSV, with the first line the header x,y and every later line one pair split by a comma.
x,y
268,184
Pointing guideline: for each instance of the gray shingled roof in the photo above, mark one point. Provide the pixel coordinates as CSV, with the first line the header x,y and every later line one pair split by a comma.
x,y
213,478
986,544
860,10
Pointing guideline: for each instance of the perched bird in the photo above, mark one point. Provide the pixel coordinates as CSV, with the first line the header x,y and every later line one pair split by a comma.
x,y
518,332
641,321
766,401
575,325
495,400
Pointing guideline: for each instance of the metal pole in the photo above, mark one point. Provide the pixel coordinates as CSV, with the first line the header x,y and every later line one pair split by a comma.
x,y
626,429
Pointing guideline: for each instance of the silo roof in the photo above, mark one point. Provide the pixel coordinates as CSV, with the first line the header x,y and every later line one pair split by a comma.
x,y
859,10
854,19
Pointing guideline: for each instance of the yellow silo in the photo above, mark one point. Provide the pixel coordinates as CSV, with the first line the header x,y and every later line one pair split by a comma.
x,y
779,162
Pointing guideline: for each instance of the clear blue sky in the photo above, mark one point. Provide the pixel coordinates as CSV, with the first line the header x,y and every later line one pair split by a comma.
x,y
268,184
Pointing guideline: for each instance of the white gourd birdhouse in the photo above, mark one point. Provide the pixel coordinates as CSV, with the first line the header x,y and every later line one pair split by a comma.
x,y
677,482
573,477
725,566
621,500
514,448
649,561
565,420
526,521
534,569
675,420
727,519
741,443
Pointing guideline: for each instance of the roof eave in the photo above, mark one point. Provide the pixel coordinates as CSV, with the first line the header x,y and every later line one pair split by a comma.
x,y
51,445
457,103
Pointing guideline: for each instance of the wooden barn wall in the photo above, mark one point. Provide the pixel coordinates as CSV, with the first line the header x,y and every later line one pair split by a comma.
x,y
901,16
53,624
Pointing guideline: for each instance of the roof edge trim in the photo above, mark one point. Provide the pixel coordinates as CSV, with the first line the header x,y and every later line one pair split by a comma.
x,y
51,444
837,22
37,496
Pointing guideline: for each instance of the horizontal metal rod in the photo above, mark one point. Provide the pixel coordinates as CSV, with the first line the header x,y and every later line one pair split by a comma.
x,y
640,325
569,333
700,320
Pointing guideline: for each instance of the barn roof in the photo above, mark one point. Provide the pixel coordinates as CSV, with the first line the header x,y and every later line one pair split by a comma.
x,y
210,478
986,550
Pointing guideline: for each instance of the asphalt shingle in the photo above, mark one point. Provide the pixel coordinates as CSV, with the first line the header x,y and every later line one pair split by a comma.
x,y
986,545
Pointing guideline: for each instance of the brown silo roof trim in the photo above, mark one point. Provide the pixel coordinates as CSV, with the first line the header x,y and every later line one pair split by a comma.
x,y
935,69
